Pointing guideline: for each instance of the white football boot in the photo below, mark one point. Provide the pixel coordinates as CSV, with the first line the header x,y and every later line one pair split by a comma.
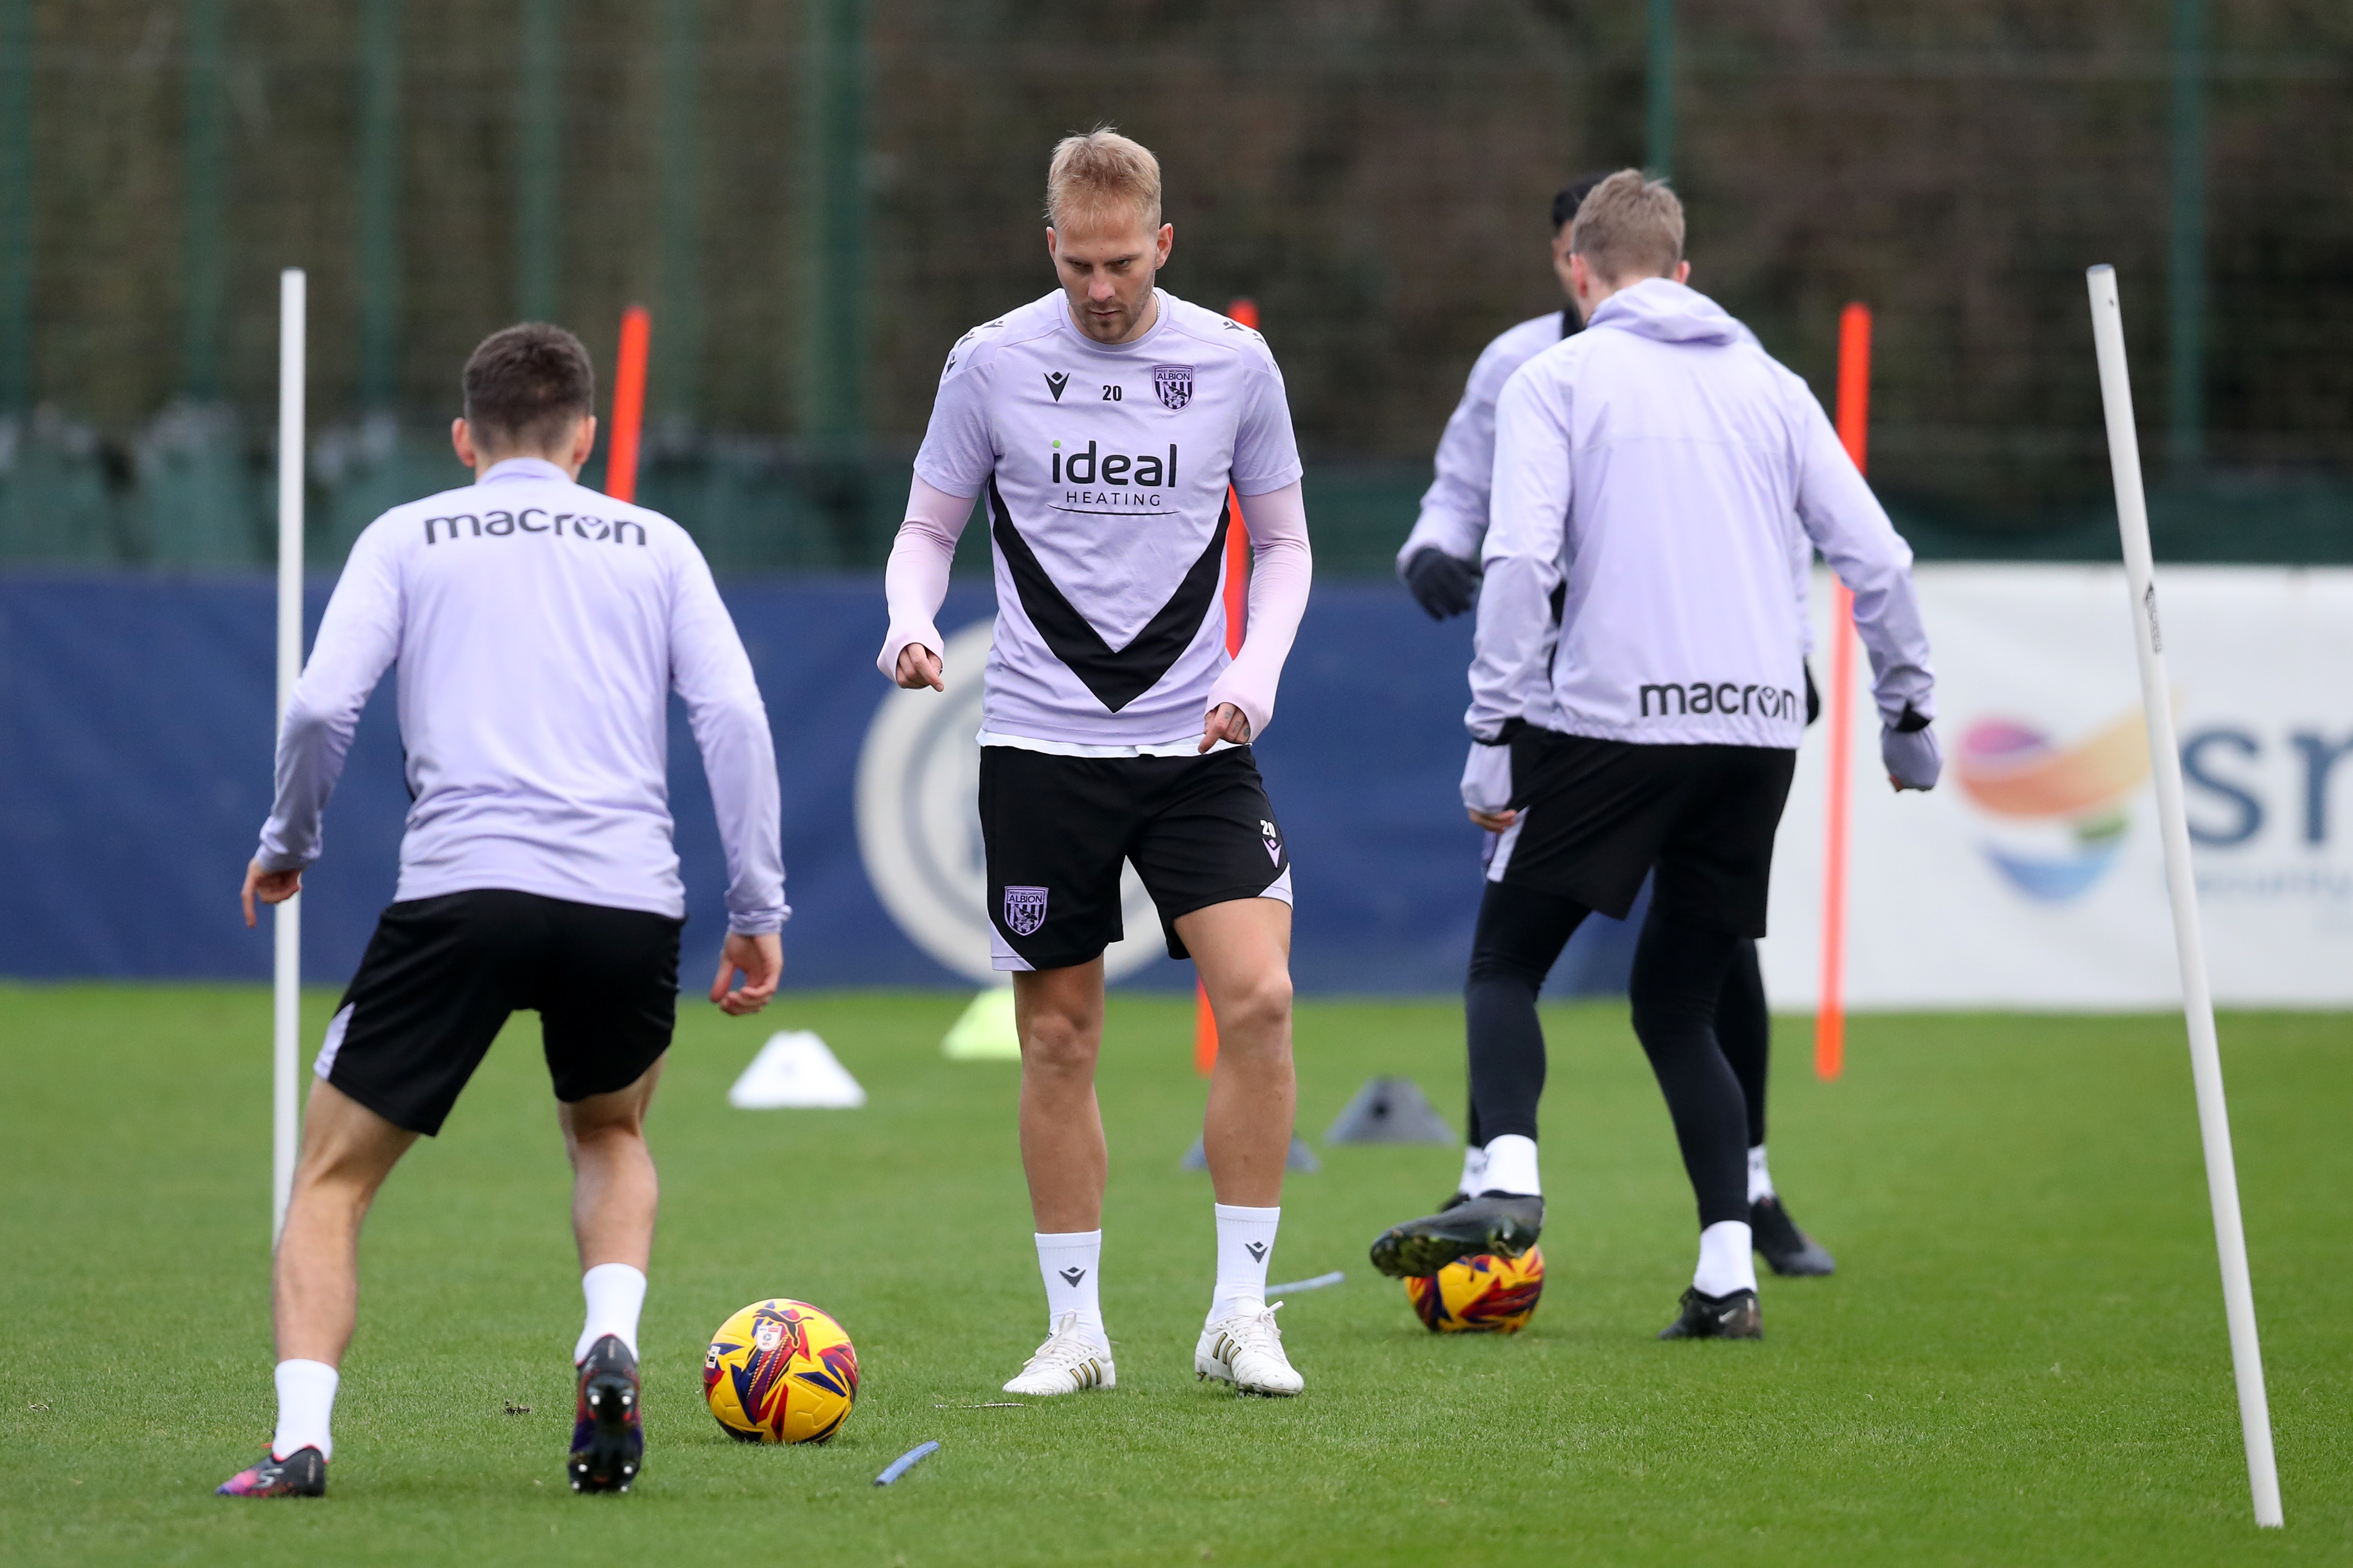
x,y
1067,1363
1246,1350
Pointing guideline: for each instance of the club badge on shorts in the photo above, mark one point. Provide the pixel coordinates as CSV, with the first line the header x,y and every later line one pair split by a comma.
x,y
1175,385
1025,909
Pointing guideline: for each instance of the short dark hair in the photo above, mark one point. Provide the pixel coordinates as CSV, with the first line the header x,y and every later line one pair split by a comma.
x,y
1571,197
526,384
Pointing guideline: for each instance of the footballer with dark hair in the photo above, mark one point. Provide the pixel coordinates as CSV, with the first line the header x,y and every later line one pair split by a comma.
x,y
539,628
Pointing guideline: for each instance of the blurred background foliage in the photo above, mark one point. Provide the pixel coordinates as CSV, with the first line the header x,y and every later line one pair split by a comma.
x,y
816,198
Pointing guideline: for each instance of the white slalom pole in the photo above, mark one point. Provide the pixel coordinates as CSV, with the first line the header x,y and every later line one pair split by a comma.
x,y
287,972
2197,999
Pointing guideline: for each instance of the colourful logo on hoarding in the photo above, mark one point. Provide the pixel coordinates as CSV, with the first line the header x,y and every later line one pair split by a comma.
x,y
2074,795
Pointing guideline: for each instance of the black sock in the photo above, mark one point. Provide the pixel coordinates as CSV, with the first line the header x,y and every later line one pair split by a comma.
x,y
1744,1031
1679,970
1521,931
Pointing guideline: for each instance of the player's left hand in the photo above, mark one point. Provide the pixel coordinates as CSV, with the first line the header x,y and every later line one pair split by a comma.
x,y
919,666
269,887
1225,723
761,959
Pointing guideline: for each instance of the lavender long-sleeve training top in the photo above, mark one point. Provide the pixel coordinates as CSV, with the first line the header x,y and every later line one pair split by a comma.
x,y
539,628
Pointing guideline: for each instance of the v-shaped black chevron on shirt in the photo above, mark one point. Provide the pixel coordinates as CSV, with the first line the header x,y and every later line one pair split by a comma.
x,y
1116,677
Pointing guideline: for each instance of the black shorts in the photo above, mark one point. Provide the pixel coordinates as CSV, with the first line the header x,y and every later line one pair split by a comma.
x,y
441,976
1596,815
1198,830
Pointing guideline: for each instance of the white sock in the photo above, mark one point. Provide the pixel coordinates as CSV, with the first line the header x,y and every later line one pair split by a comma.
x,y
1069,1261
1474,1170
616,1294
1725,1263
306,1404
1760,1180
1245,1242
1511,1166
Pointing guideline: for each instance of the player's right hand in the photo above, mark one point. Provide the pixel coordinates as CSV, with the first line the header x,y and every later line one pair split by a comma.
x,y
1913,759
919,666
761,959
1440,584
1487,786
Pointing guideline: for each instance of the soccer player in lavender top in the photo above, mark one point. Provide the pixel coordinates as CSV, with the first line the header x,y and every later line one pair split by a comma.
x,y
540,629
1636,692
1438,563
1103,425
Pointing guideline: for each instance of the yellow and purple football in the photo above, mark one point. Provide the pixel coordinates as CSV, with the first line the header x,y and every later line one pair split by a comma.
x,y
1482,1295
780,1372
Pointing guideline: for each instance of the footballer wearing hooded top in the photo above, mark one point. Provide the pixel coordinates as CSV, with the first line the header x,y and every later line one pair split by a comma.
x,y
1439,564
1103,429
1637,693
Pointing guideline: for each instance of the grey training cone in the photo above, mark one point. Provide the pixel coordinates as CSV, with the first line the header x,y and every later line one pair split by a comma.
x,y
1391,1111
1300,1158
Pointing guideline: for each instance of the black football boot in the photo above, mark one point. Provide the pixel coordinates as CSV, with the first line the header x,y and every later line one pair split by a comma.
x,y
608,1442
1729,1317
303,1473
1786,1249
1503,1224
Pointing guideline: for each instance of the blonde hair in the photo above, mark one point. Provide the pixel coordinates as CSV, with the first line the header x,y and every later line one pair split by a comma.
x,y
1630,228
1099,170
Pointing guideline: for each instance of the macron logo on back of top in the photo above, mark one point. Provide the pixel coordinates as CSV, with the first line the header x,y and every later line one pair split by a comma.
x,y
1726,698
560,524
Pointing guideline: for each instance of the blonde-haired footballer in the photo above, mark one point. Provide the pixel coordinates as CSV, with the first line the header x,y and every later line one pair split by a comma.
x,y
1637,698
1100,427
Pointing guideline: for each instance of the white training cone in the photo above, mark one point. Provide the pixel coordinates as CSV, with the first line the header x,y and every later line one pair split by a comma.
x,y
795,1070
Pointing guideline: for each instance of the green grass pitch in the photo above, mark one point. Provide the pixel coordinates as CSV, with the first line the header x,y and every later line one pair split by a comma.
x,y
2021,1360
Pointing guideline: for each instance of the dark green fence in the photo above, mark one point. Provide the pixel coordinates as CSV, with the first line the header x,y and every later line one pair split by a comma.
x,y
816,198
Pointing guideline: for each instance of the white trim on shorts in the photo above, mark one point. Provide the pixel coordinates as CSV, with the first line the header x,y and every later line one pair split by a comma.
x,y
337,1027
1499,858
1001,956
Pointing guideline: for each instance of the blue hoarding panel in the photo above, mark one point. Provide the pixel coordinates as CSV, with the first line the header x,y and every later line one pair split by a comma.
x,y
135,775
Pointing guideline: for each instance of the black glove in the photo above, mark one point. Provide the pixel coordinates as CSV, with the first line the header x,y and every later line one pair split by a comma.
x,y
1439,583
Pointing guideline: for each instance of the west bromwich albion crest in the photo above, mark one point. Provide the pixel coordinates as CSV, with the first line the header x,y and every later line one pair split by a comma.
x,y
1175,385
1025,909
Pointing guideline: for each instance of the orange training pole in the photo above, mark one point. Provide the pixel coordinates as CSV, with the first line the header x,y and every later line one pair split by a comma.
x,y
1853,420
1204,1022
629,405
1238,537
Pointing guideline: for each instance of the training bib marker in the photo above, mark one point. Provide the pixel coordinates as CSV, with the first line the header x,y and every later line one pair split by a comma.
x,y
906,1461
1321,1281
2197,997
